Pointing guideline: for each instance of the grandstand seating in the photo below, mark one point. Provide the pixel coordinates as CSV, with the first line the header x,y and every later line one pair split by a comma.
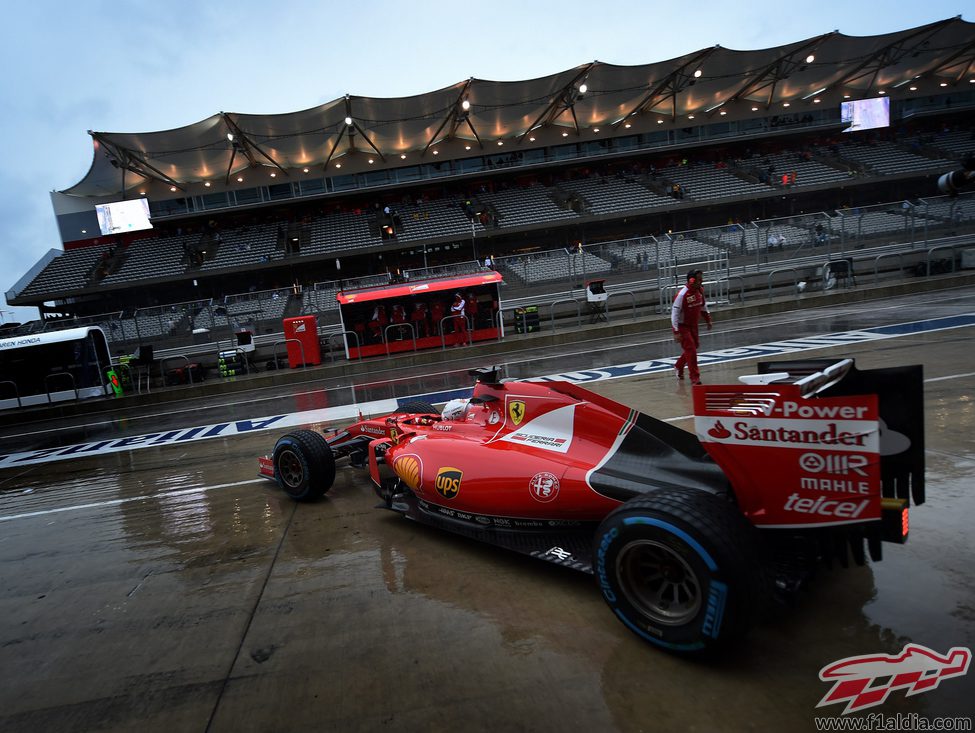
x,y
701,182
808,172
320,299
954,143
887,158
245,246
553,266
609,194
522,206
864,225
951,210
341,231
153,257
437,218
67,272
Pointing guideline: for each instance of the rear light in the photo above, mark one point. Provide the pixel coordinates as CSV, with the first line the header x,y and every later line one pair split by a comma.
x,y
895,516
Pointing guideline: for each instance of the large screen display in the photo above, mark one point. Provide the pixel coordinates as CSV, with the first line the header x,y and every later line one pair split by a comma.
x,y
865,114
119,217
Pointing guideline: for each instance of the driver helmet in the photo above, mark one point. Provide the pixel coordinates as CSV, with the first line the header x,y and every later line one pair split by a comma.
x,y
455,410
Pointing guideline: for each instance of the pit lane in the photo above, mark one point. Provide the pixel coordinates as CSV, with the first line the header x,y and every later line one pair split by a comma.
x,y
167,588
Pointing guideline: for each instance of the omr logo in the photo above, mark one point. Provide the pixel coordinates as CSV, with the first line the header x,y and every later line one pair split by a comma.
x,y
916,668
448,482
719,431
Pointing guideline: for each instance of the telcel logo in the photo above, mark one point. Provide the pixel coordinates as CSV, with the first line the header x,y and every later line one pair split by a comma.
x,y
826,507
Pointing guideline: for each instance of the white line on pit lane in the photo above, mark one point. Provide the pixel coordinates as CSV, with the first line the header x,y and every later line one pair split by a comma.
x,y
950,376
127,500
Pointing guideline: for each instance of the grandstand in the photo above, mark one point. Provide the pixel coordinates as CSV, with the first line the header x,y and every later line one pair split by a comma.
x,y
554,182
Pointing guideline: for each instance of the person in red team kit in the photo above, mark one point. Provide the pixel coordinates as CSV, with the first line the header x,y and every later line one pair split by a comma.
x,y
689,307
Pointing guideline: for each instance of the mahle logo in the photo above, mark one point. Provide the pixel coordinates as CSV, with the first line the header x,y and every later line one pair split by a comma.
x,y
448,482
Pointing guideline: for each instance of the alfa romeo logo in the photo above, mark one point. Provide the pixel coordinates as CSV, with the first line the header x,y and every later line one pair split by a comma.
x,y
544,486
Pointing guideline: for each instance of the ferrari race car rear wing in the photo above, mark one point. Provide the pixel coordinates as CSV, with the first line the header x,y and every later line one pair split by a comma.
x,y
816,443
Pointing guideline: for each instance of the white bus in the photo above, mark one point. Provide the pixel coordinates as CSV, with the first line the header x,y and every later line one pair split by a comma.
x,y
54,366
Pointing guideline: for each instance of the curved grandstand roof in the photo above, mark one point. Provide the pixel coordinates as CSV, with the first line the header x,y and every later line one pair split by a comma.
x,y
592,99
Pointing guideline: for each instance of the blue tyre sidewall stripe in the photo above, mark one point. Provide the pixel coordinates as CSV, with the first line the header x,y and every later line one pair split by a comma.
x,y
677,531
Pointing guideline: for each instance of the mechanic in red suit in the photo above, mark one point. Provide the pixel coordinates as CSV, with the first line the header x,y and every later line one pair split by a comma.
x,y
689,307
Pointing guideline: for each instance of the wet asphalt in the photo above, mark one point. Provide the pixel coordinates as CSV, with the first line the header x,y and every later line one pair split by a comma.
x,y
168,588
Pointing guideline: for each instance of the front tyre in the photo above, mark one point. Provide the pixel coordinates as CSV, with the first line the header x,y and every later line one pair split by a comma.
x,y
304,465
681,568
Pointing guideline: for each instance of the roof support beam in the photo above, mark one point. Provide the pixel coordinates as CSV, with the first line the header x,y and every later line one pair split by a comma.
x,y
890,54
668,87
352,127
565,98
242,143
132,160
946,63
776,71
454,118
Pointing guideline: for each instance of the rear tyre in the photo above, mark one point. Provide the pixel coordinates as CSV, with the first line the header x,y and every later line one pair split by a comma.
x,y
304,466
681,568
418,407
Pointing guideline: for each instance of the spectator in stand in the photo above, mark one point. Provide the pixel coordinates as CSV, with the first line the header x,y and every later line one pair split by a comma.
x,y
689,307
458,311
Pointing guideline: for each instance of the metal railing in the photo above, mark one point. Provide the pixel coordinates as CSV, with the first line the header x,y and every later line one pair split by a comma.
x,y
398,326
189,370
58,375
16,391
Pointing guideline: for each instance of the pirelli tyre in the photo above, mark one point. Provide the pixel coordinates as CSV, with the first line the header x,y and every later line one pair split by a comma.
x,y
304,465
418,407
681,568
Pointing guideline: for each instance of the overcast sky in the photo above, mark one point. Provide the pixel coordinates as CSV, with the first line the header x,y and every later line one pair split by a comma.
x,y
136,66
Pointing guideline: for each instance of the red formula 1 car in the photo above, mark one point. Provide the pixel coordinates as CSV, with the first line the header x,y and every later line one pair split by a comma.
x,y
687,536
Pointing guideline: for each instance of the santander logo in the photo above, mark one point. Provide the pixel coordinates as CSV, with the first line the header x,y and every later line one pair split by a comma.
x,y
719,431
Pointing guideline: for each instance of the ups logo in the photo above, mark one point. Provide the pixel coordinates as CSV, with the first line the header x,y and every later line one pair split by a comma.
x,y
448,482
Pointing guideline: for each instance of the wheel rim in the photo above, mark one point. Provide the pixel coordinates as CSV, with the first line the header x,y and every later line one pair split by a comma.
x,y
658,582
291,469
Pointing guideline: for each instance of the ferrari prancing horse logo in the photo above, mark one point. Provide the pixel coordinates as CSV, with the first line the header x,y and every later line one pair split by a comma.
x,y
516,411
